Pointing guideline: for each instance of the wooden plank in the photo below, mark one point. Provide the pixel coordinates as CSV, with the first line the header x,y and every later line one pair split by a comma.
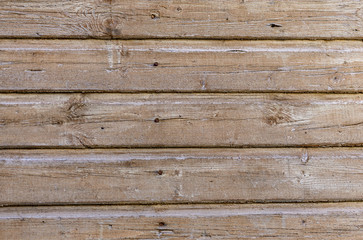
x,y
55,19
267,221
180,175
224,19
182,66
180,120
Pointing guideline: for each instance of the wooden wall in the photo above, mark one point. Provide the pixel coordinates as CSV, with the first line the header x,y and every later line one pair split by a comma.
x,y
176,119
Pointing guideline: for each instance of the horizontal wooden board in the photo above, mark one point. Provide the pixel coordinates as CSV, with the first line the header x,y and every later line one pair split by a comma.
x,y
181,66
225,19
180,175
267,221
180,120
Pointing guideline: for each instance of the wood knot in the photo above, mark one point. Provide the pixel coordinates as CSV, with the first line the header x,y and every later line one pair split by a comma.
x,y
110,26
273,120
74,108
277,115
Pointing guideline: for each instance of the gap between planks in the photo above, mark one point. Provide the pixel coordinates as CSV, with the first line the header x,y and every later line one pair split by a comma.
x,y
281,39
168,203
316,146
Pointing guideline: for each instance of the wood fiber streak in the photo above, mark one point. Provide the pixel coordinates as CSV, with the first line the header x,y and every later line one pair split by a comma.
x,y
267,221
223,19
180,120
218,119
180,175
180,66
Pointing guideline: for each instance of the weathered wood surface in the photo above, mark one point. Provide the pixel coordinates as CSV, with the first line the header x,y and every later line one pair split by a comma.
x,y
255,113
267,221
180,175
180,120
187,66
227,19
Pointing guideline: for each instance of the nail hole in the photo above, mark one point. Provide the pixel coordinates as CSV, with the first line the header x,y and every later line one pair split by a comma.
x,y
156,64
273,25
160,172
179,9
303,221
161,224
102,128
156,120
153,16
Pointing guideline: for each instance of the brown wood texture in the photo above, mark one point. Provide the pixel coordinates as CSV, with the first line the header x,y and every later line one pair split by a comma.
x,y
267,221
224,19
238,98
180,120
180,175
181,66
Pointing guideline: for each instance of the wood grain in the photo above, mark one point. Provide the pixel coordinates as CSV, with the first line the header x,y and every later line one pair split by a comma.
x,y
267,221
237,84
223,19
55,19
180,66
180,120
180,175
